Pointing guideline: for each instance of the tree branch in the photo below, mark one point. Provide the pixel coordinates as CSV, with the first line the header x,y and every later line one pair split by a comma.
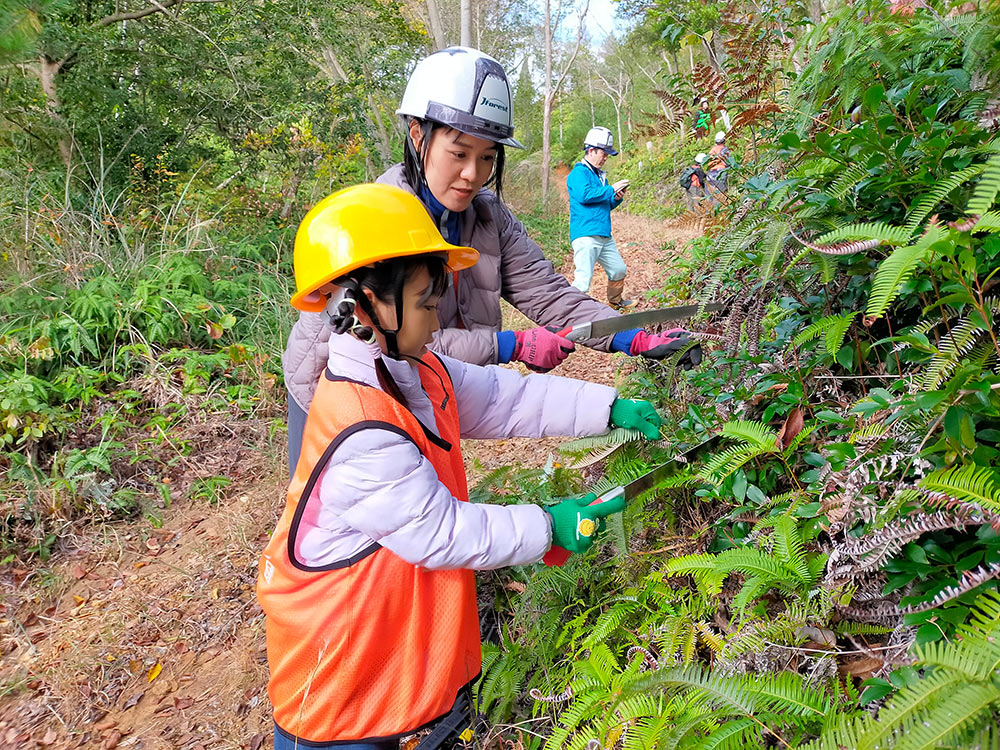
x,y
155,8
576,51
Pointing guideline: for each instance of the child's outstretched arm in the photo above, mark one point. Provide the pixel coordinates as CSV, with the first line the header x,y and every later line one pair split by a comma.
x,y
494,402
379,487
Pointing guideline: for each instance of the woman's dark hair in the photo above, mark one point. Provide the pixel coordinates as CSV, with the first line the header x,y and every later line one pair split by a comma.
x,y
413,163
386,280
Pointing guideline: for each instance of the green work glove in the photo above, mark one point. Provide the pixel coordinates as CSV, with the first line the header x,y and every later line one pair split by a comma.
x,y
575,522
636,415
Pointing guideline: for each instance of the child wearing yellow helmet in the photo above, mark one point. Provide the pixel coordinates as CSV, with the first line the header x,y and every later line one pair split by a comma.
x,y
367,582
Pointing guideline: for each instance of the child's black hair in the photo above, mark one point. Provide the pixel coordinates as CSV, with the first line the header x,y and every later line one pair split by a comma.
x,y
413,162
386,279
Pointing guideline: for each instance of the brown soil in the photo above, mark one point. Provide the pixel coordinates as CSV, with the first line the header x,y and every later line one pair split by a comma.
x,y
143,637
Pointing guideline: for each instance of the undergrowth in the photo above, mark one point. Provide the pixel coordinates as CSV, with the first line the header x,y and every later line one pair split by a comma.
x,y
828,576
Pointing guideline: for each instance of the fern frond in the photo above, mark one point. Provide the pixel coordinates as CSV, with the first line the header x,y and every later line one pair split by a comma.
x,y
721,465
907,707
989,222
985,194
755,433
789,548
975,659
703,568
895,270
732,734
927,203
847,180
886,233
971,483
753,562
771,245
590,450
616,437
954,345
833,327
953,714
610,621
860,628
727,691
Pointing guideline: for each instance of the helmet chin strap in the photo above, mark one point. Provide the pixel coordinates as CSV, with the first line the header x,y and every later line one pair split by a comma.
x,y
391,343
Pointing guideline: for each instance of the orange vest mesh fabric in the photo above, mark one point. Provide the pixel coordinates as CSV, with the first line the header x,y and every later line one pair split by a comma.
x,y
378,647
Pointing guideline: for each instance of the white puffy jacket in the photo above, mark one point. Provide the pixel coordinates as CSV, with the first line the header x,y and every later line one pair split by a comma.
x,y
378,487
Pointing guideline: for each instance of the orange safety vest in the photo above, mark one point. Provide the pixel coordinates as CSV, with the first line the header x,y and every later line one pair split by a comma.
x,y
716,162
372,647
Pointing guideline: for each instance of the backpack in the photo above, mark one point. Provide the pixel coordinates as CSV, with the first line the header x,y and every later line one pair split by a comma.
x,y
686,175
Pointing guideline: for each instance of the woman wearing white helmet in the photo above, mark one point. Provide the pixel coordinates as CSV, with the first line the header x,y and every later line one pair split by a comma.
x,y
458,116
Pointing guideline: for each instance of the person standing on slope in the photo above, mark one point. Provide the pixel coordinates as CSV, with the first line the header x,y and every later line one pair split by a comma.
x,y
591,201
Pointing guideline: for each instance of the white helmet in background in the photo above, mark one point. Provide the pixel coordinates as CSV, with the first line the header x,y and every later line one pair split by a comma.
x,y
720,137
600,138
700,158
465,90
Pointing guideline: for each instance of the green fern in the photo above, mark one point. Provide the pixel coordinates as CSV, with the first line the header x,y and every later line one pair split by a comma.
x,y
833,327
927,203
771,246
847,180
971,483
895,270
878,230
985,194
589,450
756,433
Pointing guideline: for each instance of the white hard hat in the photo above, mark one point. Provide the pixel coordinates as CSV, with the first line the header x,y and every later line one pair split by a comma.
x,y
700,158
465,90
720,136
600,138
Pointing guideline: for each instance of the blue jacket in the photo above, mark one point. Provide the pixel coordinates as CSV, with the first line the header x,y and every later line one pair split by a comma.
x,y
591,200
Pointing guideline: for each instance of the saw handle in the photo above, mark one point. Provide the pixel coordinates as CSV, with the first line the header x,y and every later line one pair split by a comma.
x,y
556,557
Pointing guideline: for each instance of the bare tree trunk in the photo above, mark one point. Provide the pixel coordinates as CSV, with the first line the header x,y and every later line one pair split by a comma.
x,y
691,57
551,89
437,31
547,106
816,11
334,72
465,9
47,71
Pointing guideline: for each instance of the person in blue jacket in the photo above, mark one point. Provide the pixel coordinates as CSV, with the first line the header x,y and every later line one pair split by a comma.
x,y
591,200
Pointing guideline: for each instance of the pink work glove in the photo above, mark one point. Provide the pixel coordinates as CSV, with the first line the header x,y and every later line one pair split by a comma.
x,y
541,348
660,345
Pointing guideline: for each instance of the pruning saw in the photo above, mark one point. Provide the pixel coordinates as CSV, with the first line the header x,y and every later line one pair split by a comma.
x,y
597,329
557,556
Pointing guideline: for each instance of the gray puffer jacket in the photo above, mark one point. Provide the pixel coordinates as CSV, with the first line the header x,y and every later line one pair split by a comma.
x,y
510,265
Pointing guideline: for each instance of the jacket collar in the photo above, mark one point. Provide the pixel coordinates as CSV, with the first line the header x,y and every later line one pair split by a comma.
x,y
353,359
478,210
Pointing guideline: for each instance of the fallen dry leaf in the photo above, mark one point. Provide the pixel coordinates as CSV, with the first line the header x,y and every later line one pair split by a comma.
x,y
112,740
78,571
105,724
792,427
133,700
257,742
154,672
49,738
863,668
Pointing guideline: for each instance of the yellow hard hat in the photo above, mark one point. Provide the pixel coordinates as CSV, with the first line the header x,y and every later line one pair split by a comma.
x,y
359,226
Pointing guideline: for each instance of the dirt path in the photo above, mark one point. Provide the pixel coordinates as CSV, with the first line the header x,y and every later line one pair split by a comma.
x,y
144,637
